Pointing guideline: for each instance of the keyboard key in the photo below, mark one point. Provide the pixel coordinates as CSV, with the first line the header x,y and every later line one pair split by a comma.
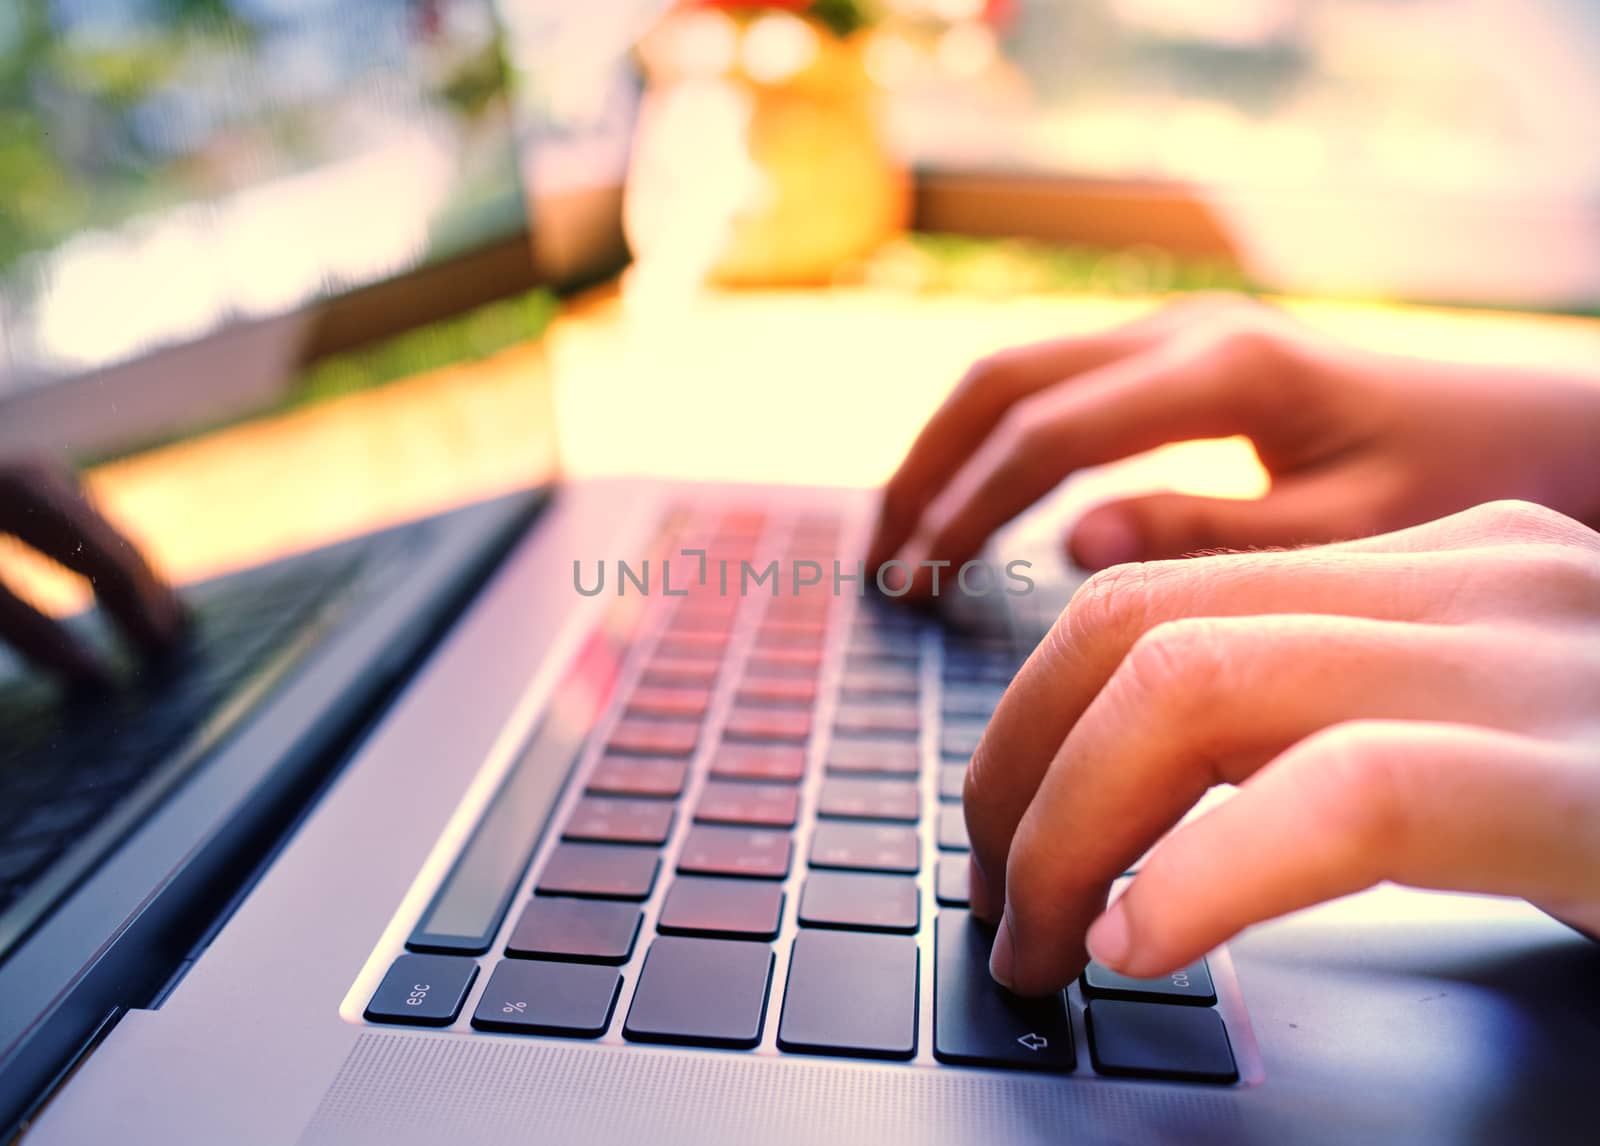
x,y
865,847
705,601
790,635
972,643
881,613
748,852
769,725
754,805
599,871
950,886
953,829
989,668
701,614
784,662
674,672
548,999
877,718
730,908
1151,1041
851,993
817,521
959,741
701,992
858,902
853,799
426,990
905,664
654,737
888,643
692,646
878,682
697,622
970,700
978,1022
579,930
778,690
624,776
879,757
609,819
778,762
796,611
952,779
684,703
1192,984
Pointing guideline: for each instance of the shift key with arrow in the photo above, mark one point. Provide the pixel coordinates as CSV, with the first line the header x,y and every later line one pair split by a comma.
x,y
977,1022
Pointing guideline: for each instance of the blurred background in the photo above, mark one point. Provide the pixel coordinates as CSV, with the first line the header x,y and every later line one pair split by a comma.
x,y
218,215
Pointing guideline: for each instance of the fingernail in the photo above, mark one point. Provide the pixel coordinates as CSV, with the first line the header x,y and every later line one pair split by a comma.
x,y
1103,539
1108,940
978,897
1002,957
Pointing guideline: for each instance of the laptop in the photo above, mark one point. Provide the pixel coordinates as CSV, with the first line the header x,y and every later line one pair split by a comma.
x,y
627,810
641,867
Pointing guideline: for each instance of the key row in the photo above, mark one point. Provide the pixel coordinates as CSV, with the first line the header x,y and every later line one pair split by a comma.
x,y
631,820
625,871
604,931
889,727
659,733
602,817
657,777
850,994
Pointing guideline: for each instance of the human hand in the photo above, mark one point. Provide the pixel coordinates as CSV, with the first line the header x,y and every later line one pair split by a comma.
x,y
1422,706
45,509
1355,442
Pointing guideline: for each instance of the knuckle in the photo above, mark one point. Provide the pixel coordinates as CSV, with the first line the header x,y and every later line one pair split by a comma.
x,y
1244,339
1114,600
1573,571
1026,429
1174,662
1359,790
1247,349
1567,576
992,372
1527,521
1023,444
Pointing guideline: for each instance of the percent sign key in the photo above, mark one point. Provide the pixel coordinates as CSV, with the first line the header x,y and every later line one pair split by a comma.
x,y
534,997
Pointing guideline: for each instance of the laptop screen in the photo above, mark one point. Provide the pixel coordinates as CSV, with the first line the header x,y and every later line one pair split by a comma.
x,y
235,360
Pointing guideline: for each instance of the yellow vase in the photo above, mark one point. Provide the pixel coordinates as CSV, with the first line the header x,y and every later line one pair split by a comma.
x,y
758,158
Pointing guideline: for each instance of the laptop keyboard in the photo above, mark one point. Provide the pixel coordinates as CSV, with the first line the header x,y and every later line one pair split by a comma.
x,y
762,843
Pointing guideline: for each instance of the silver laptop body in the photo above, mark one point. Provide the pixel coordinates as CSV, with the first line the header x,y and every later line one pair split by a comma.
x,y
1393,1016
